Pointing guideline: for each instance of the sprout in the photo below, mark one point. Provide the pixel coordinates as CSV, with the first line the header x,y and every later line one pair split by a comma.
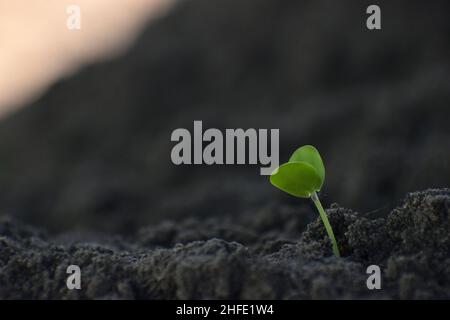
x,y
303,176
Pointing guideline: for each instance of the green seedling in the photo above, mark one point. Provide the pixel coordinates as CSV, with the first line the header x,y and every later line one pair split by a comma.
x,y
303,176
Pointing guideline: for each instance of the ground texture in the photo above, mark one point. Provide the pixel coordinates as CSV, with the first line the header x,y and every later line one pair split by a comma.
x,y
262,256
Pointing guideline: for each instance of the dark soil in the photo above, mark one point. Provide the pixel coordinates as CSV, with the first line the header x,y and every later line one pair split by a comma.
x,y
257,256
89,162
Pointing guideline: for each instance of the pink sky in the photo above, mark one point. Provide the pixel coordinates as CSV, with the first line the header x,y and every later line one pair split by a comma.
x,y
36,47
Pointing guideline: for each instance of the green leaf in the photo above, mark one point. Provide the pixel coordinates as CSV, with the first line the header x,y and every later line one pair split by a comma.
x,y
299,179
310,155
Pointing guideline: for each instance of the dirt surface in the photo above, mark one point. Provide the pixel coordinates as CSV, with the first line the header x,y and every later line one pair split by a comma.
x,y
244,259
85,167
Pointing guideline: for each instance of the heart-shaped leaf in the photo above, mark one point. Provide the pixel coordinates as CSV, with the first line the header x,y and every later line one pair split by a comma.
x,y
302,176
299,179
310,155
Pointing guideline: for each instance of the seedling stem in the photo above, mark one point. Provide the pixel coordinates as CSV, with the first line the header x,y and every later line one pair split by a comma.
x,y
302,176
326,223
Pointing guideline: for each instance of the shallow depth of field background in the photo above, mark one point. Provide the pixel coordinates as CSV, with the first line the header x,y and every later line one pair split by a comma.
x,y
37,49
87,116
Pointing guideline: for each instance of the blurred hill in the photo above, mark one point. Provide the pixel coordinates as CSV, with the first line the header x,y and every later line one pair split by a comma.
x,y
94,152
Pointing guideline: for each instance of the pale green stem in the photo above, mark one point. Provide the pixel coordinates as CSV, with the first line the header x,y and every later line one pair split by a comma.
x,y
326,223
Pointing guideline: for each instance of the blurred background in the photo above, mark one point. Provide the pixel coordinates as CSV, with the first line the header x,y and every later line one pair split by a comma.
x,y
86,116
37,48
